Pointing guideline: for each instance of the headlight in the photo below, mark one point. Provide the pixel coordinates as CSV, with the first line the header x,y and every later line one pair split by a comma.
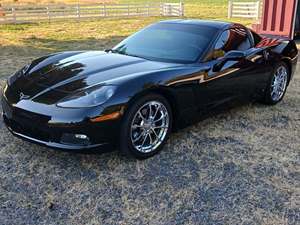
x,y
89,97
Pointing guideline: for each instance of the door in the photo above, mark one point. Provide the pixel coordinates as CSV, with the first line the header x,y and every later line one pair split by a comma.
x,y
235,68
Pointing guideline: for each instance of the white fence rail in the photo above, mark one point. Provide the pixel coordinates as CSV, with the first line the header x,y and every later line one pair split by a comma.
x,y
244,9
22,14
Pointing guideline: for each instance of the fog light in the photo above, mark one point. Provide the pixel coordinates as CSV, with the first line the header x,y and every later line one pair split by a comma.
x,y
75,139
81,136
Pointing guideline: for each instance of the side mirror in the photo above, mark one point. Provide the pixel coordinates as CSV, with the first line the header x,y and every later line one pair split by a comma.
x,y
231,55
234,55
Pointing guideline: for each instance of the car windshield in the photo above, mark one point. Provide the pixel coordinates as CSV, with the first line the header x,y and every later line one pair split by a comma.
x,y
171,42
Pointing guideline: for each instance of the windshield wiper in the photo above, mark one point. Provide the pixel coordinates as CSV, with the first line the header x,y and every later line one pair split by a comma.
x,y
112,50
124,53
117,51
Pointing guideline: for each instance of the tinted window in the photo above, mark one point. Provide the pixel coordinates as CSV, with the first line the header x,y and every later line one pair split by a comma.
x,y
232,39
168,42
256,37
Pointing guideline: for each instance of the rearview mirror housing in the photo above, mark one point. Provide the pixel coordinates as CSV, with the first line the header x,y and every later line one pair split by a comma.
x,y
231,55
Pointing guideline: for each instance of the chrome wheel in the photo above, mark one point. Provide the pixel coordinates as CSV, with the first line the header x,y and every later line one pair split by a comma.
x,y
279,83
149,126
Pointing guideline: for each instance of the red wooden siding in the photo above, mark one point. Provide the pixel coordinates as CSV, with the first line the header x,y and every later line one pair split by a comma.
x,y
278,17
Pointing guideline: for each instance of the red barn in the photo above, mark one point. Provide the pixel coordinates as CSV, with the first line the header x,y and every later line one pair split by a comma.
x,y
279,18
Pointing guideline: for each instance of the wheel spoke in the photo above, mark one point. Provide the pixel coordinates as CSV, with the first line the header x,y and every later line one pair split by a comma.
x,y
135,126
151,140
153,130
160,118
141,115
160,127
156,111
150,111
144,140
157,136
139,137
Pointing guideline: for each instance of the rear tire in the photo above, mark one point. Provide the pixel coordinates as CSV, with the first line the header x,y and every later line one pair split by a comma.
x,y
277,84
146,126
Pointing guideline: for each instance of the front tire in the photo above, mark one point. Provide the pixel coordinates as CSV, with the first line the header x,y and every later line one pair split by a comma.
x,y
146,126
277,85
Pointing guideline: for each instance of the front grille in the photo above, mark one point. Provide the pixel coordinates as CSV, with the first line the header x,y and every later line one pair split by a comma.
x,y
27,123
24,116
30,131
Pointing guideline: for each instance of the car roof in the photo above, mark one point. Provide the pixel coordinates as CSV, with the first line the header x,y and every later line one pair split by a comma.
x,y
210,23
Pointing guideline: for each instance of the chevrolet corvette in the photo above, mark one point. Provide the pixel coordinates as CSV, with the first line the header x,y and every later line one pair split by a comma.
x,y
132,96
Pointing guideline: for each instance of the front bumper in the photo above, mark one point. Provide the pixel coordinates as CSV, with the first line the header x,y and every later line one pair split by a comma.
x,y
54,130
52,144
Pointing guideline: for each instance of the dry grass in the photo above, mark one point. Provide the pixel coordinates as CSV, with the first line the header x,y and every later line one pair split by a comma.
x,y
238,167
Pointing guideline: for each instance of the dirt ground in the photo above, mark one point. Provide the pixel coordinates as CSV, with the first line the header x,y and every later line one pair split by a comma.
x,y
239,167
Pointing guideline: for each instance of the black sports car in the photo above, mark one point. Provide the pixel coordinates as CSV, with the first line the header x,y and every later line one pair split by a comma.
x,y
132,96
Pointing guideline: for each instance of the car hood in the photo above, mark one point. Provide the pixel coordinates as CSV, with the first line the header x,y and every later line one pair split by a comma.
x,y
61,74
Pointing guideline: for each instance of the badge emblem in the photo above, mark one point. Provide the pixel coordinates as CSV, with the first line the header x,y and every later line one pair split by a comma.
x,y
23,96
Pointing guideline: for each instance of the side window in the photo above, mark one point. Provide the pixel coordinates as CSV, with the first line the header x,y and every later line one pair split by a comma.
x,y
256,37
223,39
232,39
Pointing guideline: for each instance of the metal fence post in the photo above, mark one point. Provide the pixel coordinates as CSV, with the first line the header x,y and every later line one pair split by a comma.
x,y
104,7
257,10
14,14
48,13
160,8
229,9
78,12
182,8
